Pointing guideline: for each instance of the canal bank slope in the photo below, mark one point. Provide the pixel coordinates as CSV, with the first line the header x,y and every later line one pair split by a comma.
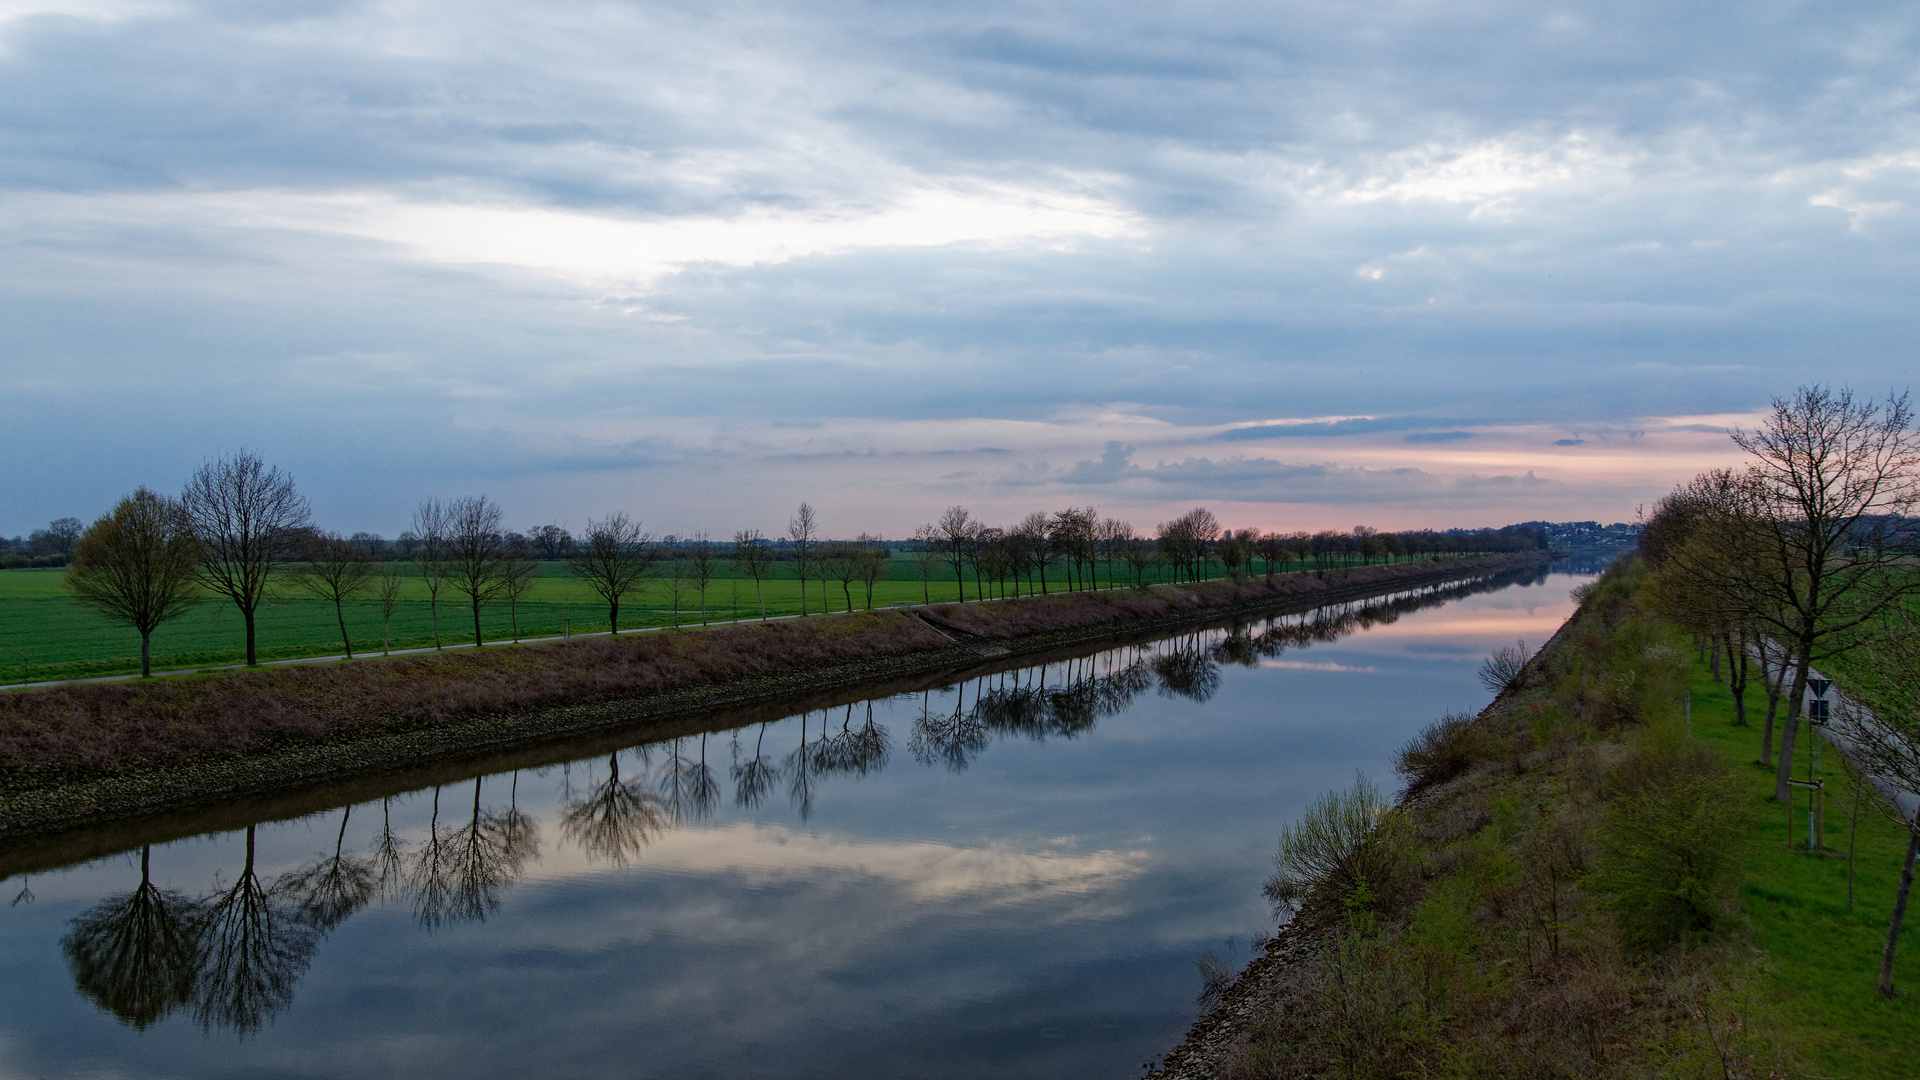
x,y
1569,887
81,754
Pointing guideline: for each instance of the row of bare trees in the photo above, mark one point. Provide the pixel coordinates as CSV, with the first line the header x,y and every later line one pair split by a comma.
x,y
239,529
1806,557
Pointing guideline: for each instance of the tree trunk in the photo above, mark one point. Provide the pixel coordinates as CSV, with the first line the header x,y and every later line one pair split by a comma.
x,y
1742,667
341,616
1783,775
252,657
433,606
1899,907
758,595
146,654
1773,704
476,623
613,614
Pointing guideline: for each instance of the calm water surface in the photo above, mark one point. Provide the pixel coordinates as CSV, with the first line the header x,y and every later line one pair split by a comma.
x,y
1008,876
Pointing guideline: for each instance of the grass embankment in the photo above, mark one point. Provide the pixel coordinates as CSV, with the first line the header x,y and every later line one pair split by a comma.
x,y
1822,955
46,634
1575,885
187,733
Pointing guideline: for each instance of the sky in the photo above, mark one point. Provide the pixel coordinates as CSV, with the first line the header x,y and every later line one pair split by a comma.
x,y
1309,264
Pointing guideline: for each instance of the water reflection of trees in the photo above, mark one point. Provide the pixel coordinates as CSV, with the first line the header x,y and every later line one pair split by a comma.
x,y
252,951
615,820
334,887
232,959
136,956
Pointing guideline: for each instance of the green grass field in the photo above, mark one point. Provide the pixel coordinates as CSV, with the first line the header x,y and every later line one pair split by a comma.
x,y
1823,957
46,634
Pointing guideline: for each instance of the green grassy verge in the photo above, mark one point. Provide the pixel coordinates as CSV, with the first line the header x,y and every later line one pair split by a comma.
x,y
1822,957
45,634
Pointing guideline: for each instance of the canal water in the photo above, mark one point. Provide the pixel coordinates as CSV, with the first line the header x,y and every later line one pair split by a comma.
x,y
1008,875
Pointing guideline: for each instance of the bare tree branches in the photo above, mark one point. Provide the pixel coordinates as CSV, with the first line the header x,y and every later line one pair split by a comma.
x,y
247,518
613,557
137,565
805,533
475,547
335,570
751,557
701,568
1832,477
430,531
388,590
955,533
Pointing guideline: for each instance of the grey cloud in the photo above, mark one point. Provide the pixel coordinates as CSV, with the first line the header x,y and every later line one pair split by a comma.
x,y
1742,224
1260,479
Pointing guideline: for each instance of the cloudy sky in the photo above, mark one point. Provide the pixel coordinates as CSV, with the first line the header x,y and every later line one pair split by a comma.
x,y
1312,264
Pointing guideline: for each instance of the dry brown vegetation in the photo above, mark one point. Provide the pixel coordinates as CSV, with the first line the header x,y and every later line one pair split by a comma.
x,y
90,729
114,725
1014,618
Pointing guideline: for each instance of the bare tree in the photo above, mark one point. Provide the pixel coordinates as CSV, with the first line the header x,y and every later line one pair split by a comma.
x,y
613,557
518,576
955,532
873,563
388,589
1113,535
475,553
1138,553
1881,724
1271,547
841,562
1834,478
679,588
430,543
1199,527
58,538
925,559
1070,534
247,518
701,567
137,565
1700,541
1032,534
1233,552
335,570
805,533
750,557
551,542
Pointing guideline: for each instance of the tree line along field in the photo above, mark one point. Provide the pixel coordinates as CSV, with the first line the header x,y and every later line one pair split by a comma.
x,y
47,634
